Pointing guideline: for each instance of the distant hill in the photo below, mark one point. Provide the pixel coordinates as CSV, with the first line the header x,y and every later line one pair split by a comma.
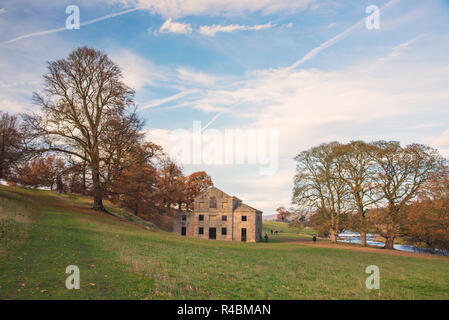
x,y
273,217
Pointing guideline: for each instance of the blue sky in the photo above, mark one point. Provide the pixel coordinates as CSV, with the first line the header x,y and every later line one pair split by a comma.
x,y
236,61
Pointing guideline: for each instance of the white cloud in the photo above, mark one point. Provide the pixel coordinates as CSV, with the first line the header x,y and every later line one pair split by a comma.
x,y
443,140
212,30
181,8
193,77
170,26
12,106
399,49
137,71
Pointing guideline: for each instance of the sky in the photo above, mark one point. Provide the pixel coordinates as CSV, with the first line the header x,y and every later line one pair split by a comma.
x,y
295,72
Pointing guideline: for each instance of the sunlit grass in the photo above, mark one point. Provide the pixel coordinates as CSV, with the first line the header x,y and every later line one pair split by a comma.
x,y
119,259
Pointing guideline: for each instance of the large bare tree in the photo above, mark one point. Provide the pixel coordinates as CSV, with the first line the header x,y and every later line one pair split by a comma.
x,y
401,173
318,187
358,172
82,96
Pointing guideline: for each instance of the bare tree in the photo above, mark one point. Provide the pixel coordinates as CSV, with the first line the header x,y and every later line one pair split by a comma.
x,y
83,93
400,174
318,187
11,143
358,172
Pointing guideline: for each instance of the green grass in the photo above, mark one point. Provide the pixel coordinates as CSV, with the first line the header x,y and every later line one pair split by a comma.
x,y
43,233
286,232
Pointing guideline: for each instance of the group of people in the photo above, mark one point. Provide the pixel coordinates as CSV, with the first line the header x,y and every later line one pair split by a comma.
x,y
275,232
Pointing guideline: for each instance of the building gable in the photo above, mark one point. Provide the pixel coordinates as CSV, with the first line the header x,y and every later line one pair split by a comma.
x,y
213,200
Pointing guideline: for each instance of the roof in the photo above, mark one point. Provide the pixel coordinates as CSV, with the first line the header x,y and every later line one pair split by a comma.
x,y
241,204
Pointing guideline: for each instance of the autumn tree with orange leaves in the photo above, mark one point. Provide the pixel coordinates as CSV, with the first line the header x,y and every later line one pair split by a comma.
x,y
196,183
426,221
42,172
283,213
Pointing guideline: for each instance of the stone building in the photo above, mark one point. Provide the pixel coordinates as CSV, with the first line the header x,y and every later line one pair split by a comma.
x,y
217,215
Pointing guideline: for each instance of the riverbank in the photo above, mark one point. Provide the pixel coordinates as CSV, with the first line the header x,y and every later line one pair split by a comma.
x,y
373,249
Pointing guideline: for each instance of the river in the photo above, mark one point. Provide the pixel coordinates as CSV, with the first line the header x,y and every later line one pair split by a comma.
x,y
351,238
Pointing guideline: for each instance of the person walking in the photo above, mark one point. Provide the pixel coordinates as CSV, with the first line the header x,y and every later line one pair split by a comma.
x,y
314,239
266,237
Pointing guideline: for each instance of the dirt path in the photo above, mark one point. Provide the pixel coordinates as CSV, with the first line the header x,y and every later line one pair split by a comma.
x,y
325,244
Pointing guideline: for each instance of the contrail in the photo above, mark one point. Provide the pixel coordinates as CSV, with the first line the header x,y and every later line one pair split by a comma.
x,y
312,53
41,33
158,102
213,120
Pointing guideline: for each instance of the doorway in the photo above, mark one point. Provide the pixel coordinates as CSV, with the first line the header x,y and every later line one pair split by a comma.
x,y
212,233
183,231
243,234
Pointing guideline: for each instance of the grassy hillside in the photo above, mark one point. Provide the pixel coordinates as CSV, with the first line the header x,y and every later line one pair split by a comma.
x,y
42,233
286,232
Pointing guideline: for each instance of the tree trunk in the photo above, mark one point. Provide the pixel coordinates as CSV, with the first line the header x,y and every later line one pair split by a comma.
x,y
363,238
333,236
84,179
98,191
59,185
98,199
389,241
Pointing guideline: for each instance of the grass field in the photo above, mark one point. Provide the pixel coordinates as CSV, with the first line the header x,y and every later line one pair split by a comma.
x,y
42,233
286,233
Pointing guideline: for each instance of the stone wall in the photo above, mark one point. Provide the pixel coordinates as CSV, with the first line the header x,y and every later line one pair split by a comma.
x,y
212,206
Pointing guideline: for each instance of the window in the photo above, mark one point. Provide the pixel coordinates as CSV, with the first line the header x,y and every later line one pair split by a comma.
x,y
200,230
224,231
224,218
201,217
243,218
184,217
213,202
